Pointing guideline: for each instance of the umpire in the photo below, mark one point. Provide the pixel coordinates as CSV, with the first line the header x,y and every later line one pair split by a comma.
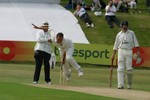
x,y
42,53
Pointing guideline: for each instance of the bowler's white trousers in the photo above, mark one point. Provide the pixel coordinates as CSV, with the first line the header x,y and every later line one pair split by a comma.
x,y
69,60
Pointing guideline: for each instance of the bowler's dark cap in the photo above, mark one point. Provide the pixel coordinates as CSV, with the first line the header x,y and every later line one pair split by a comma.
x,y
60,34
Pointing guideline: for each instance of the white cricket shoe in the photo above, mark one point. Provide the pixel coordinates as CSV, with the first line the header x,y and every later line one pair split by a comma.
x,y
92,25
80,72
88,25
120,87
129,85
68,77
48,83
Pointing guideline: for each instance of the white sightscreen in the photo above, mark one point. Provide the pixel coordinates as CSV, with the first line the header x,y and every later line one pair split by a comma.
x,y
30,1
16,19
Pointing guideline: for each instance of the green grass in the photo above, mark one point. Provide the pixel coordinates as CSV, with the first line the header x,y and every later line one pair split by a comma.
x,y
14,91
95,76
13,76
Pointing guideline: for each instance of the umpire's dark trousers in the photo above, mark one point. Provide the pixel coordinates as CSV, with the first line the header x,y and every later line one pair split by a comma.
x,y
111,19
41,56
86,19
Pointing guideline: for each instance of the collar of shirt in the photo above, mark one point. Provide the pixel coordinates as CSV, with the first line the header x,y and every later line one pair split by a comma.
x,y
125,32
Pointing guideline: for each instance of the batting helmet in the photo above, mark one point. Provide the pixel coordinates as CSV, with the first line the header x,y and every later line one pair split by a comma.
x,y
124,23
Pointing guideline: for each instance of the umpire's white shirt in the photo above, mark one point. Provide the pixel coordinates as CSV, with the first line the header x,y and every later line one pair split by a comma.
x,y
125,40
42,41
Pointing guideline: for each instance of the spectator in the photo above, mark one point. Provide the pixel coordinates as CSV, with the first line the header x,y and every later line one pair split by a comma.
x,y
96,5
103,4
117,4
133,5
124,7
76,2
148,4
110,15
81,12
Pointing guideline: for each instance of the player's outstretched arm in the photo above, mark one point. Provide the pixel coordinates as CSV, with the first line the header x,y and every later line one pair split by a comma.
x,y
37,27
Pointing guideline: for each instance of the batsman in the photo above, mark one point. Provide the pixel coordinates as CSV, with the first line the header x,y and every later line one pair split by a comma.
x,y
124,43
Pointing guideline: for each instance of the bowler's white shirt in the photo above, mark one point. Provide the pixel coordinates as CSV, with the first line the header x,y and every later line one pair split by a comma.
x,y
64,45
126,40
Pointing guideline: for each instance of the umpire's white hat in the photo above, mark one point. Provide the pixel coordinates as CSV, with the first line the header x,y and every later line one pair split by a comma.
x,y
45,24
